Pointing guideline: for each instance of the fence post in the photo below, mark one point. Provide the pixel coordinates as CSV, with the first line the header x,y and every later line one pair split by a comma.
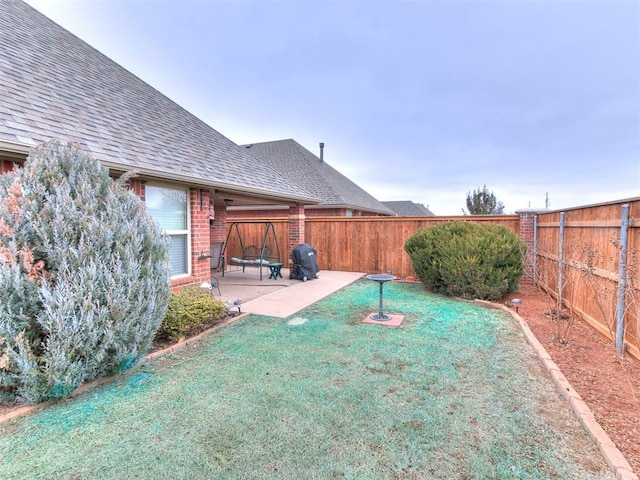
x,y
622,280
526,233
535,250
560,262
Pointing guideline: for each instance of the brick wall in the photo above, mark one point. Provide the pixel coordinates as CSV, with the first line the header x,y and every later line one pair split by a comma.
x,y
249,214
218,232
284,213
6,166
296,226
200,235
137,186
325,212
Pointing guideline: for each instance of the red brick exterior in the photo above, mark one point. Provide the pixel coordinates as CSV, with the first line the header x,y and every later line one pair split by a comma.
x,y
200,235
526,234
296,226
339,212
327,212
137,186
7,166
309,212
248,214
218,232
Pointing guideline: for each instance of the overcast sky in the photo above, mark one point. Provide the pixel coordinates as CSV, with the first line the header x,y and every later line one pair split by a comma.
x,y
414,100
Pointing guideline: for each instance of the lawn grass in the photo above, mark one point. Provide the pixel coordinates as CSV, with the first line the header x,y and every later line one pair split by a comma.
x,y
453,393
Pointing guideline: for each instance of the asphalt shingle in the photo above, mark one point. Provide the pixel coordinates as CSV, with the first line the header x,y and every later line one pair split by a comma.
x,y
54,85
406,208
317,177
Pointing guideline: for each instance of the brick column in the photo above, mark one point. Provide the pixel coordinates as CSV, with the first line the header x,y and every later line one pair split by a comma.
x,y
200,235
526,234
218,231
296,226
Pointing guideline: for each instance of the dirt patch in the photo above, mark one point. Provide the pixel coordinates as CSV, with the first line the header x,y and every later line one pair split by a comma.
x,y
610,386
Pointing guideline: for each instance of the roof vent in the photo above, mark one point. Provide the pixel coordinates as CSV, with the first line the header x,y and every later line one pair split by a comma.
x,y
322,151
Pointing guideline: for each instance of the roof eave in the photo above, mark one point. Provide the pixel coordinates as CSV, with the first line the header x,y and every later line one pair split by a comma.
x,y
21,151
202,182
18,150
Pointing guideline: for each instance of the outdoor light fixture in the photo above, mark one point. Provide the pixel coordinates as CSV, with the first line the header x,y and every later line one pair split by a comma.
x,y
238,303
228,201
516,303
231,306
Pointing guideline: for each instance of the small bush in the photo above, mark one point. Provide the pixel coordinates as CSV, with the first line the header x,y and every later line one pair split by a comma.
x,y
189,310
467,260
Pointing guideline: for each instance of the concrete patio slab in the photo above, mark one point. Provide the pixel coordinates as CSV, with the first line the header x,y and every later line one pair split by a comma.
x,y
281,297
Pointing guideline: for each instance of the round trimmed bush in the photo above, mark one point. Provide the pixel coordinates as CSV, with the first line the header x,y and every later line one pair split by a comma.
x,y
468,260
84,275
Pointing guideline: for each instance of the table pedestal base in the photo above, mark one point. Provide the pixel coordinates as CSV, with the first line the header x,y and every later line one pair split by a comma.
x,y
394,320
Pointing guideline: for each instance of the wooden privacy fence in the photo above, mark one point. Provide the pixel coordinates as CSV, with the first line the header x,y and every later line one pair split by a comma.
x,y
587,258
376,244
578,256
362,244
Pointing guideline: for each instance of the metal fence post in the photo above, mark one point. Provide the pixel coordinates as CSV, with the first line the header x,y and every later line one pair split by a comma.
x,y
535,250
622,280
560,262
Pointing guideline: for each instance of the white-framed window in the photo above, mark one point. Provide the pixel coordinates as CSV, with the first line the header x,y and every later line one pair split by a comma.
x,y
349,213
169,206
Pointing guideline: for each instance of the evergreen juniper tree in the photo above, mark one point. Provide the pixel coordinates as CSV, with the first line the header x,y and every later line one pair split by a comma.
x,y
483,202
84,276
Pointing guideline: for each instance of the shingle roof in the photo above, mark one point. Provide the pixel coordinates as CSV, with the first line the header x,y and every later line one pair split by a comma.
x,y
406,208
54,85
317,177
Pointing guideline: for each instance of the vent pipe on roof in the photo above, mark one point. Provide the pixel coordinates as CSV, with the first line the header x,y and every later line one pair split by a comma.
x,y
322,151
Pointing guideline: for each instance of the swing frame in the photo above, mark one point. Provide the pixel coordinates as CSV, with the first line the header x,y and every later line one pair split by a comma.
x,y
253,255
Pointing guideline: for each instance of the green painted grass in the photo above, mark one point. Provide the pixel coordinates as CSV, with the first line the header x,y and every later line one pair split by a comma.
x,y
454,393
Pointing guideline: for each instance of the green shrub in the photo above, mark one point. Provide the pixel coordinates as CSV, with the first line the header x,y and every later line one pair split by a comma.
x,y
189,310
84,276
467,259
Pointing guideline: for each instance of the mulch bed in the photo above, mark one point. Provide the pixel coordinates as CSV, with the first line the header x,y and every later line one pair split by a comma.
x,y
609,385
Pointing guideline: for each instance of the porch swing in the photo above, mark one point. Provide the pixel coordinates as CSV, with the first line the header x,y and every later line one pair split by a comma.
x,y
265,255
